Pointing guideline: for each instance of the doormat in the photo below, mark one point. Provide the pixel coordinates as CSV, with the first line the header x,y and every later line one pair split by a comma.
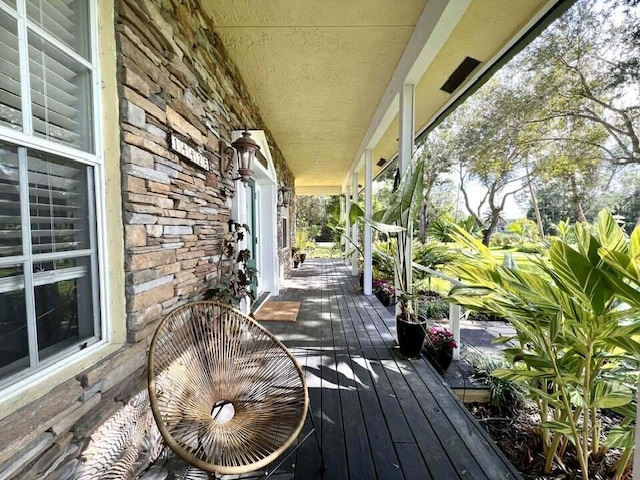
x,y
278,311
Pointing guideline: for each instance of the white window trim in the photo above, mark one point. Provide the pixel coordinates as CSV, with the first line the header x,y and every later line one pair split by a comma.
x,y
284,214
16,383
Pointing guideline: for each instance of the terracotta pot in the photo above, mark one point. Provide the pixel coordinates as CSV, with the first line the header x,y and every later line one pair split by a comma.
x,y
440,358
411,336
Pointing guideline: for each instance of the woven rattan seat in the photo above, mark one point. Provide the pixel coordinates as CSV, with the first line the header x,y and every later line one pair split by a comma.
x,y
227,396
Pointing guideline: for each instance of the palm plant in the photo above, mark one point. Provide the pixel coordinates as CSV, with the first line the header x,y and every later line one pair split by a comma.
x,y
431,254
577,334
440,228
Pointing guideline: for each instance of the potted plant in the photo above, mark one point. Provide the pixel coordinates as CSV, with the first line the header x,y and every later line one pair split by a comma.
x,y
438,348
397,221
234,284
384,291
295,254
410,326
303,243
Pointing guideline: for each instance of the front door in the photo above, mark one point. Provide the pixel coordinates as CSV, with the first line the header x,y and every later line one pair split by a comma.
x,y
252,240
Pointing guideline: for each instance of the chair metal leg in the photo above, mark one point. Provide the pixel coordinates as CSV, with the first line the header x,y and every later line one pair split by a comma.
x,y
314,431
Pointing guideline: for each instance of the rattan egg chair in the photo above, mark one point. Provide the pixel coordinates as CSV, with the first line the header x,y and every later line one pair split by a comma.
x,y
227,396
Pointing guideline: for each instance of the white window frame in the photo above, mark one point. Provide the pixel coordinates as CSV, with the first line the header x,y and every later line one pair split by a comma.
x,y
97,250
286,236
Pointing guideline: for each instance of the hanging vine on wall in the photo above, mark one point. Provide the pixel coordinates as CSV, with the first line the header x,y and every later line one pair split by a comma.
x,y
235,275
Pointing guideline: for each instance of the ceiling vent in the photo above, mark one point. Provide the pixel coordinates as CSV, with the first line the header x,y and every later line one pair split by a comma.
x,y
460,74
381,162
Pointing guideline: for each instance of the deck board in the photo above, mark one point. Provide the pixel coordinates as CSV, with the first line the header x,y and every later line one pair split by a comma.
x,y
383,416
379,415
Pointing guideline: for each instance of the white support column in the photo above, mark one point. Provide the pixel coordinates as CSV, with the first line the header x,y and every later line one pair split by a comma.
x,y
454,323
407,127
347,227
343,207
354,227
405,153
368,212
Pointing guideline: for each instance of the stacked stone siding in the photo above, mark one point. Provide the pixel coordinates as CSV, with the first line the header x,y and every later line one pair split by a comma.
x,y
175,78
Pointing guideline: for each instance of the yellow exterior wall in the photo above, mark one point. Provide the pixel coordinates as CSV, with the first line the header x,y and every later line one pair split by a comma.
x,y
34,389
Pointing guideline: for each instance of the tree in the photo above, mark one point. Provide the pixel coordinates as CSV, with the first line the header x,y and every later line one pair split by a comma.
x,y
624,198
578,165
435,151
524,228
313,214
491,147
586,66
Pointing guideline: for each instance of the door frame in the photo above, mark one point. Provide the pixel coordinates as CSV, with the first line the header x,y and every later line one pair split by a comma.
x,y
266,186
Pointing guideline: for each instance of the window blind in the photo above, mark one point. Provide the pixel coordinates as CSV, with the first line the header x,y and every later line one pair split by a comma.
x,y
46,82
66,20
60,95
10,226
58,204
10,103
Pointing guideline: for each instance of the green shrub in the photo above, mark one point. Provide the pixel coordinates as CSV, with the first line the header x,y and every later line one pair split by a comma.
x,y
531,248
504,240
505,395
430,254
434,307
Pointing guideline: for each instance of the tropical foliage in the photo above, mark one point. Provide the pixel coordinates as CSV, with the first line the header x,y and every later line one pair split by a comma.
x,y
578,334
505,395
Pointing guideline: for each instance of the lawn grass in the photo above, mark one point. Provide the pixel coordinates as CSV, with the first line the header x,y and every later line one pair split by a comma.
x,y
324,250
523,260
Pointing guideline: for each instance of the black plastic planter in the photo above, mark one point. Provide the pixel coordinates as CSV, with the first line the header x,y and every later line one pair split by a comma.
x,y
440,358
411,336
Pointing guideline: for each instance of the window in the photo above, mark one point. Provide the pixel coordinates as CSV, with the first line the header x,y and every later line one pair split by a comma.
x,y
285,233
49,288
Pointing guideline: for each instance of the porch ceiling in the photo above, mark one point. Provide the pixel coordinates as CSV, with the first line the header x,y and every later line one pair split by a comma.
x,y
484,30
316,71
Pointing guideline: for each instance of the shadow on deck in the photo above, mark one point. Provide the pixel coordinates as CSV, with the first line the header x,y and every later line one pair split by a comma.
x,y
380,415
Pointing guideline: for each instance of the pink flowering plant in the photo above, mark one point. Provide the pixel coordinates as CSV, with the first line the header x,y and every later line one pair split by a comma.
x,y
383,286
439,338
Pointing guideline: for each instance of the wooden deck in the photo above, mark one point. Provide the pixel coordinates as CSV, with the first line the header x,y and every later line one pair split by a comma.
x,y
380,415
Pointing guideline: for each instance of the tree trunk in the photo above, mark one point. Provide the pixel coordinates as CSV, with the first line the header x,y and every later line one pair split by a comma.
x,y
423,221
534,200
577,200
488,232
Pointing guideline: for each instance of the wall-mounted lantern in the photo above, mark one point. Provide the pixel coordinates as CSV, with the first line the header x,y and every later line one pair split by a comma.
x,y
284,196
246,148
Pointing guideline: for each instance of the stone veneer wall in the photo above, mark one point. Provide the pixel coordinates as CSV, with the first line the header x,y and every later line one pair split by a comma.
x,y
174,77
